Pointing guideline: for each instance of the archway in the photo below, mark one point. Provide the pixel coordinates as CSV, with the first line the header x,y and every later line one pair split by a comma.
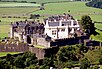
x,y
28,40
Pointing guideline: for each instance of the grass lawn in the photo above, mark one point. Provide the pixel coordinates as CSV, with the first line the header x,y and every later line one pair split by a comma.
x,y
4,29
39,46
5,53
7,21
101,67
97,37
16,11
66,68
93,56
99,26
77,9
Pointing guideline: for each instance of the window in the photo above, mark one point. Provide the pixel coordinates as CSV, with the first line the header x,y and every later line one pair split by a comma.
x,y
54,32
75,23
62,30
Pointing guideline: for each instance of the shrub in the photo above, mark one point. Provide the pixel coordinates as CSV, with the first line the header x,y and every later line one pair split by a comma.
x,y
84,63
23,1
100,60
3,16
33,2
9,17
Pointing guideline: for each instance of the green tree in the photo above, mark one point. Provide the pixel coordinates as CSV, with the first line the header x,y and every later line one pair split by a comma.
x,y
83,48
29,58
95,3
100,60
95,67
48,61
84,63
87,24
32,67
2,62
19,62
66,53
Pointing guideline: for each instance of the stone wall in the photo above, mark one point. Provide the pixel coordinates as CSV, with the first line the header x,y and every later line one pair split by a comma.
x,y
13,47
61,42
93,43
43,42
41,53
38,51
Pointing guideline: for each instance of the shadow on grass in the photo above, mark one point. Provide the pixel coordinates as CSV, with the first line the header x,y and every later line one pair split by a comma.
x,y
95,32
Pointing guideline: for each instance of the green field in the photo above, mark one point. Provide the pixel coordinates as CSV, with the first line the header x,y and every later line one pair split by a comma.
x,y
99,26
5,53
93,55
97,37
38,1
77,9
13,4
4,29
17,9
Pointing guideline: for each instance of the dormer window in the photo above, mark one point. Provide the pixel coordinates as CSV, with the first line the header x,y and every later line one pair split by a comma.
x,y
62,30
74,23
53,32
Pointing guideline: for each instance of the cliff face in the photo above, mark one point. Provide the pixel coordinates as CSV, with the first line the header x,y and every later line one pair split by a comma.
x,y
95,3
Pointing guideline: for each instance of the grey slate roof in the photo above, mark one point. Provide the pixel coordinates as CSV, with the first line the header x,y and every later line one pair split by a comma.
x,y
53,23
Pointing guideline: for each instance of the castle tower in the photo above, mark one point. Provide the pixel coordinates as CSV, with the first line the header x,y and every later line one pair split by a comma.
x,y
11,31
21,37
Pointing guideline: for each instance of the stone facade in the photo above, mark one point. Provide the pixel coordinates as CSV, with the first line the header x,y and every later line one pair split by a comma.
x,y
45,34
43,42
13,47
26,31
41,53
63,26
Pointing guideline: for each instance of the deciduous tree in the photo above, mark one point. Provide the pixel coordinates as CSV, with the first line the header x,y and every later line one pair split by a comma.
x,y
87,24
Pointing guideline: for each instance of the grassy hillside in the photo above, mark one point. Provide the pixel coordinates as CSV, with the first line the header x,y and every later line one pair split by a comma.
x,y
17,9
94,55
99,26
97,37
38,1
5,53
77,9
13,4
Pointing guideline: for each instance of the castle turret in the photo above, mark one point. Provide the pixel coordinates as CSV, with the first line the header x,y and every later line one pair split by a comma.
x,y
21,37
25,38
11,31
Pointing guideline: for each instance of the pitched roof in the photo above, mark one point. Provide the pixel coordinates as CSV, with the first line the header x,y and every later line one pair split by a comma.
x,y
53,23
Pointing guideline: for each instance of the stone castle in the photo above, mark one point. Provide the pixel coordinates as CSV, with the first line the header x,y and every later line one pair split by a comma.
x,y
55,31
